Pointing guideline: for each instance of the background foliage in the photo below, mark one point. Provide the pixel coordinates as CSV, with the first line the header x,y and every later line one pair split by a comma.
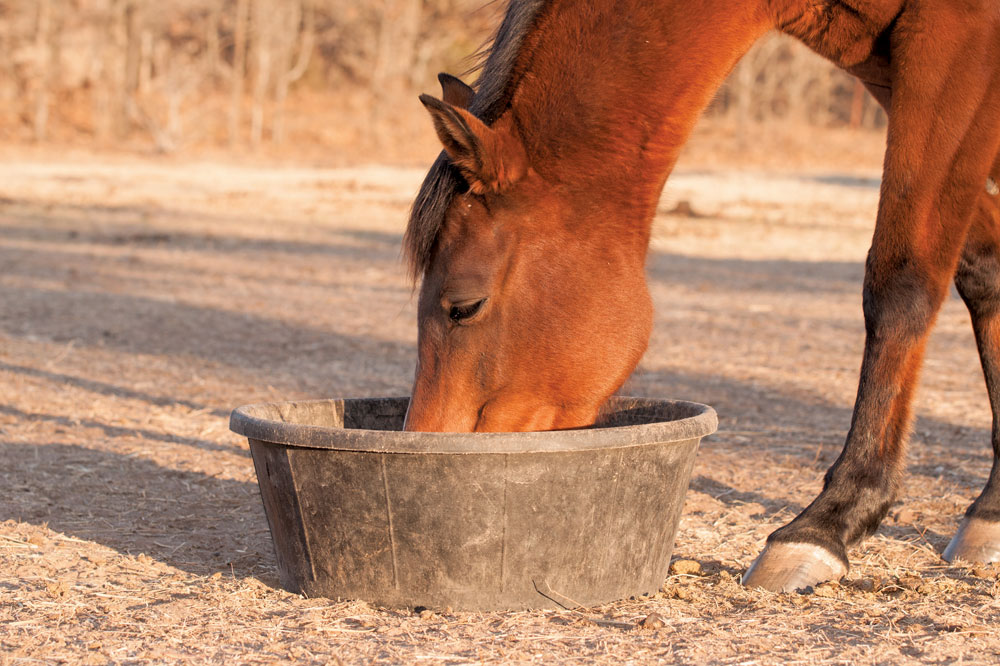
x,y
251,74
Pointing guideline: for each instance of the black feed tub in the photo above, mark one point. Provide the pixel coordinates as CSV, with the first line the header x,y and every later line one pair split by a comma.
x,y
359,509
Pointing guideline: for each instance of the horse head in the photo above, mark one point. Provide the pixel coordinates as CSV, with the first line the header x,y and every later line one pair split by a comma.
x,y
527,318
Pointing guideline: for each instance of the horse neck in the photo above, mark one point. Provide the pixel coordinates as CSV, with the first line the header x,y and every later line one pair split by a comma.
x,y
606,96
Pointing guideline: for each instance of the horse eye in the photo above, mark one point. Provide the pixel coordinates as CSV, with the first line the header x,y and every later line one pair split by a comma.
x,y
462,312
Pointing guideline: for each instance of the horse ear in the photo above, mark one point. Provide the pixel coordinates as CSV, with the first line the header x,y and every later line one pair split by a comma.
x,y
490,158
454,91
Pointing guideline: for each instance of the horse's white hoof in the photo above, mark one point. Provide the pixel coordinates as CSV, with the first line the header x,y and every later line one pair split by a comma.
x,y
787,567
977,540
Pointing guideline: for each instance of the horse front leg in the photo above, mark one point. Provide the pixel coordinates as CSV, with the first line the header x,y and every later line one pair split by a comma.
x,y
902,295
978,282
943,135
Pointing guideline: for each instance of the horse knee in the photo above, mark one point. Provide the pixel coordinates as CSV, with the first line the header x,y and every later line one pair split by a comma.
x,y
900,301
978,280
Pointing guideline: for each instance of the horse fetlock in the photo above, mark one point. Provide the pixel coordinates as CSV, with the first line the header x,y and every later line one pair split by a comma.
x,y
852,505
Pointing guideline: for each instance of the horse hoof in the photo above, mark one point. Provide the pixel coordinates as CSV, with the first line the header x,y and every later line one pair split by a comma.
x,y
977,540
787,567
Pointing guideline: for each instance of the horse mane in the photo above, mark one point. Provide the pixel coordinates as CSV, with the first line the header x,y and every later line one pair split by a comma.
x,y
494,88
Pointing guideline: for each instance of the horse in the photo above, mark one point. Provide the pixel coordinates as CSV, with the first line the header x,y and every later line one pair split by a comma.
x,y
529,234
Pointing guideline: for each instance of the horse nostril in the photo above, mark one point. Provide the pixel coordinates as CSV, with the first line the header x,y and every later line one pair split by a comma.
x,y
462,312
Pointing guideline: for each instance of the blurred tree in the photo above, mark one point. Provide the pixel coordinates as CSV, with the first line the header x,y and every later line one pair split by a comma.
x,y
238,72
254,71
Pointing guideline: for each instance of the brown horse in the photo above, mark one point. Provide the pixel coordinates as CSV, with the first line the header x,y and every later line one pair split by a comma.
x,y
531,229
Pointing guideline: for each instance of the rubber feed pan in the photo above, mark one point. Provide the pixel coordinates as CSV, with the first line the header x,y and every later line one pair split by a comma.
x,y
359,509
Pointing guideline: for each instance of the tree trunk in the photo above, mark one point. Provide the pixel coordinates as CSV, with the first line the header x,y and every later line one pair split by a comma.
x,y
396,51
239,70
145,61
289,73
212,48
43,73
133,56
117,69
263,20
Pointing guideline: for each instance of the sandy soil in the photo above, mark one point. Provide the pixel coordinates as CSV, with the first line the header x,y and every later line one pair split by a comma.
x,y
140,302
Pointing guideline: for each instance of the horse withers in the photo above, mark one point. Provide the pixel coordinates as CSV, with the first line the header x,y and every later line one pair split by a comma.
x,y
531,229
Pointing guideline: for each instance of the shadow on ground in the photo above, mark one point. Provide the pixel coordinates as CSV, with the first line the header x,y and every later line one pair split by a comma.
x,y
127,226
181,518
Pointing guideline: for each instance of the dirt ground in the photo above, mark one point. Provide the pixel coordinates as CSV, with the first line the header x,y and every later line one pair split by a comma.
x,y
141,301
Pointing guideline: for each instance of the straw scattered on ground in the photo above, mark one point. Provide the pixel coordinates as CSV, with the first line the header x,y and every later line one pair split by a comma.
x,y
140,302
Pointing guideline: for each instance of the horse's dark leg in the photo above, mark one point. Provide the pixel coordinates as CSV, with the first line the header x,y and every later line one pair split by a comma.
x,y
943,136
901,299
900,303
978,281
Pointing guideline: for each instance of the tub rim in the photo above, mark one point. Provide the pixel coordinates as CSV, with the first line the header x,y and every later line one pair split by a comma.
x,y
273,422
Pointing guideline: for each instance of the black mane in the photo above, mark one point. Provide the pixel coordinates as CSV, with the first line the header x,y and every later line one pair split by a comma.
x,y
493,92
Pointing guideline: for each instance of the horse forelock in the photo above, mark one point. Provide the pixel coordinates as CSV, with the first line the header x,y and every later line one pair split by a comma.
x,y
427,214
494,88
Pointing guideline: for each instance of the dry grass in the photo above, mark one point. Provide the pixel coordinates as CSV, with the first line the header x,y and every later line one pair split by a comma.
x,y
140,302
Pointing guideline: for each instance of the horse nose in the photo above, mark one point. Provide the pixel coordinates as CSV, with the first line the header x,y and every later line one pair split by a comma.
x,y
423,407
435,412
439,417
406,416
416,419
